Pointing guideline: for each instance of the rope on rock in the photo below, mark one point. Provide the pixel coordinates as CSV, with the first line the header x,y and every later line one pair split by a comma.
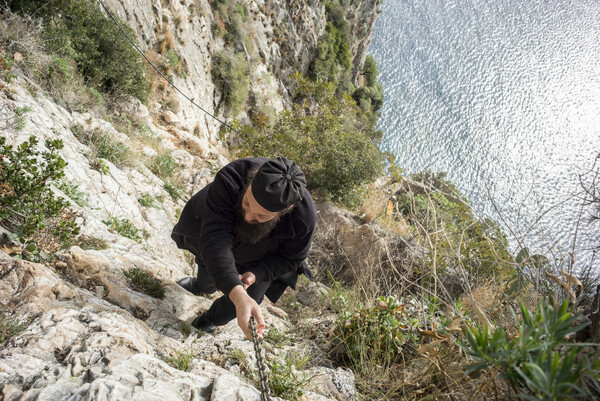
x,y
265,394
158,71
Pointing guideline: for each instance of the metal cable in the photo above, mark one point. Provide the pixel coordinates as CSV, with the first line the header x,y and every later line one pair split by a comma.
x,y
265,394
157,70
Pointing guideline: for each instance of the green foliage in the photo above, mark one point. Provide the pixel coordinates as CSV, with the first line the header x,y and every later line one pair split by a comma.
x,y
285,380
238,356
230,74
6,64
163,165
175,189
10,326
78,30
124,227
103,146
275,337
144,282
185,329
374,333
181,360
172,58
333,58
476,244
370,71
72,191
148,200
326,135
19,121
86,242
28,205
539,359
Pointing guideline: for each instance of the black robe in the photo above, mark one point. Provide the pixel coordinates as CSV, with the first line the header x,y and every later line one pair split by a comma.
x,y
207,222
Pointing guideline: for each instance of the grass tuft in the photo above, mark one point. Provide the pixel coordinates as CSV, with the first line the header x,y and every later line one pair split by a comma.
x,y
143,282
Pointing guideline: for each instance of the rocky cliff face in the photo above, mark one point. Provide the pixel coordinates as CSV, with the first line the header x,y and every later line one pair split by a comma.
x,y
284,33
87,334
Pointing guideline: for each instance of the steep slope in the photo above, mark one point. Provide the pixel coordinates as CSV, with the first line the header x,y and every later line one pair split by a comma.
x,y
86,333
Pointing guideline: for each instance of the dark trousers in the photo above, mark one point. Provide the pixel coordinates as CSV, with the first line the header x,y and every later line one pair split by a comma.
x,y
222,311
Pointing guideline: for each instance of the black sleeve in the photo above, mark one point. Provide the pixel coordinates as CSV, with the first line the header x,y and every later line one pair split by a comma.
x,y
216,236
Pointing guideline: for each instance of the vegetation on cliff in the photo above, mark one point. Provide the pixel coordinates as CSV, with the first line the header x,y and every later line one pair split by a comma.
x,y
329,137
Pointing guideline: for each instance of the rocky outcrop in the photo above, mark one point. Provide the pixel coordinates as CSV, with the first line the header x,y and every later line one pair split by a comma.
x,y
86,333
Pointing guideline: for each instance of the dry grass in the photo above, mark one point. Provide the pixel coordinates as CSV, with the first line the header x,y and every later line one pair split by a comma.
x,y
167,42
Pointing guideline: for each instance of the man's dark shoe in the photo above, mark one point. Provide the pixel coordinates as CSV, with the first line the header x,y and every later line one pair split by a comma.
x,y
189,284
204,324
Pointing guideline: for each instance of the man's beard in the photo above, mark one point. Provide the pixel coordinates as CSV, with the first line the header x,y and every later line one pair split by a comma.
x,y
251,233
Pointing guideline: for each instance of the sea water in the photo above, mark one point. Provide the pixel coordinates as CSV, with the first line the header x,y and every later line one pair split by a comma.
x,y
504,96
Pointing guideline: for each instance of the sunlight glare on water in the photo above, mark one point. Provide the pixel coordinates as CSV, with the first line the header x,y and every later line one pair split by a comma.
x,y
502,95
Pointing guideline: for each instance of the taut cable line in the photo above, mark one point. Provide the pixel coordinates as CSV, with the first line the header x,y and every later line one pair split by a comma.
x,y
158,71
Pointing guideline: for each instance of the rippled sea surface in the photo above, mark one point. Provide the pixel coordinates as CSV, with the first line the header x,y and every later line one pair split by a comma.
x,y
504,96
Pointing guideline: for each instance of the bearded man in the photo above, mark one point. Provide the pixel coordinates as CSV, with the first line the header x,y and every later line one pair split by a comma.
x,y
251,230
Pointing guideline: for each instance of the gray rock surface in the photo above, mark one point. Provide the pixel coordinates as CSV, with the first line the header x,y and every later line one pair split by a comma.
x,y
88,335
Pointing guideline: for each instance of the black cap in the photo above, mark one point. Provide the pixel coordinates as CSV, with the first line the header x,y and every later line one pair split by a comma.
x,y
278,183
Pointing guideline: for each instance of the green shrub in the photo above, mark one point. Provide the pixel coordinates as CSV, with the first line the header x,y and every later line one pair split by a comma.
x,y
285,380
185,329
28,205
124,227
326,135
174,188
148,200
172,58
104,146
78,30
539,361
19,121
163,165
71,190
6,64
144,282
181,360
10,326
374,334
230,74
476,244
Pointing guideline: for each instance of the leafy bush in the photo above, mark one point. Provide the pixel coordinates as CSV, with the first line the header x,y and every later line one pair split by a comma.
x,y
72,191
174,188
10,326
124,227
28,205
476,244
78,30
163,165
539,359
6,64
150,201
326,135
104,146
375,333
144,282
285,380
230,74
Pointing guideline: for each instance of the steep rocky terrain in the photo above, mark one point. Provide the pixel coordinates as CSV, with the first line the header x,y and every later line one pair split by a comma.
x,y
87,335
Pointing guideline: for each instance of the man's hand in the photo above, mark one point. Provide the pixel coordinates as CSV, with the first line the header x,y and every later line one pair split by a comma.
x,y
245,307
247,279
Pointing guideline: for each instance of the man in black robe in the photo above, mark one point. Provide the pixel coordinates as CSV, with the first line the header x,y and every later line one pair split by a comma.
x,y
251,230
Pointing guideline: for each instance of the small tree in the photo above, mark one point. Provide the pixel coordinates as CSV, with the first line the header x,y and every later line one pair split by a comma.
x,y
26,201
328,136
